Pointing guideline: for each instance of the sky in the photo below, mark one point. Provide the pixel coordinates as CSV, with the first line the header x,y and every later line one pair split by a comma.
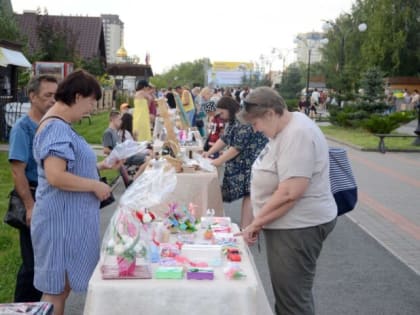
x,y
221,30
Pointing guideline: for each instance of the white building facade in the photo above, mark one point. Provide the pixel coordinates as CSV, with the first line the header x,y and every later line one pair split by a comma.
x,y
113,33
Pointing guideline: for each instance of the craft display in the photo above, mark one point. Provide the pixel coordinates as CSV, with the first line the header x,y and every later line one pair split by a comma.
x,y
209,253
233,271
136,238
181,218
129,235
164,272
200,273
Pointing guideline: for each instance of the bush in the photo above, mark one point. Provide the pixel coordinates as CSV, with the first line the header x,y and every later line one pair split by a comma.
x,y
402,117
380,124
292,104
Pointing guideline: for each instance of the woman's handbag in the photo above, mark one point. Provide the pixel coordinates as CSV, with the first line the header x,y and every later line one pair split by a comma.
x,y
16,213
342,181
108,200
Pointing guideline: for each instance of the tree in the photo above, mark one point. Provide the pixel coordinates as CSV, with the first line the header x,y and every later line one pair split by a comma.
x,y
8,27
372,84
186,73
93,65
391,42
291,83
59,45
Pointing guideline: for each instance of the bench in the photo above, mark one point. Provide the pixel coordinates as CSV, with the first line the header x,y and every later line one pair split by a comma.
x,y
382,136
86,117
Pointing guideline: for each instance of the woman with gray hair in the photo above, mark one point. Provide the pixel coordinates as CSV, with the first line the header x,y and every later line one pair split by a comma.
x,y
291,198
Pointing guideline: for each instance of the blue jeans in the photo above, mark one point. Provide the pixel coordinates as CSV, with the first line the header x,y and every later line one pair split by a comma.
x,y
190,116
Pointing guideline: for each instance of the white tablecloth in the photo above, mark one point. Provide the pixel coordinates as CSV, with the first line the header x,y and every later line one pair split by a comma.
x,y
159,297
200,188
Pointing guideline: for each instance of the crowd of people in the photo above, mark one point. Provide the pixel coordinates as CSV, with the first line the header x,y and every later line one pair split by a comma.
x,y
275,161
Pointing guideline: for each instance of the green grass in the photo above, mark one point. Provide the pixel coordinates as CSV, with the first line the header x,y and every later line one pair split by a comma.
x,y
93,133
9,237
366,140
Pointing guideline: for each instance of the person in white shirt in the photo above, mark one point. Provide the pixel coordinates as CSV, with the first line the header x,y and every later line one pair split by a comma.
x,y
291,198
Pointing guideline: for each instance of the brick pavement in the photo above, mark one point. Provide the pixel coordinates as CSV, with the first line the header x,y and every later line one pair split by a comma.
x,y
389,201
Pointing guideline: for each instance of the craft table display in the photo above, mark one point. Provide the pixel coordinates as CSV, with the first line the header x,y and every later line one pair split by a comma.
x,y
180,296
200,188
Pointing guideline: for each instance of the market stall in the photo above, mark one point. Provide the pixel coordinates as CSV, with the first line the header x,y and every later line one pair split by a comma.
x,y
176,260
180,296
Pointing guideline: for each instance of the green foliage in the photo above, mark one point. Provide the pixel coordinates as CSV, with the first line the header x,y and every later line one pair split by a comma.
x,y
403,117
186,73
364,139
93,65
292,104
391,42
386,124
291,85
9,237
372,84
93,133
57,41
106,81
8,27
380,124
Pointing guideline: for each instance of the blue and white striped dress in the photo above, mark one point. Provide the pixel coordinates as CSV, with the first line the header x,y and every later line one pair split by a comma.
x,y
65,224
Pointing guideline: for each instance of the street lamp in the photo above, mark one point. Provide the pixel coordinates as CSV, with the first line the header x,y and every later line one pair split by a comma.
x,y
328,25
417,131
310,41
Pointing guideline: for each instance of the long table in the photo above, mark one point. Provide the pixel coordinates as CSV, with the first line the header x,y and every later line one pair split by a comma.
x,y
200,188
155,297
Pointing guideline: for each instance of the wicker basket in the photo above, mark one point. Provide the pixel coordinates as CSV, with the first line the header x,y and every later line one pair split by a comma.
x,y
173,147
177,164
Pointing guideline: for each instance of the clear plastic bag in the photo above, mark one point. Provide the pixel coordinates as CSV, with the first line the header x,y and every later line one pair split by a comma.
x,y
127,240
125,150
205,164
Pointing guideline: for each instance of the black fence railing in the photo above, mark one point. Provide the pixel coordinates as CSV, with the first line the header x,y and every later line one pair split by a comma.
x,y
10,111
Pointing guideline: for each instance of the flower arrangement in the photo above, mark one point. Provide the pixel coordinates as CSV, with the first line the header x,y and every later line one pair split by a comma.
x,y
129,238
181,218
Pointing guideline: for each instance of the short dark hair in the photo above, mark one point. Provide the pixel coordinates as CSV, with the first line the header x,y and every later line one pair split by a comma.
x,y
77,82
228,103
141,85
113,114
34,84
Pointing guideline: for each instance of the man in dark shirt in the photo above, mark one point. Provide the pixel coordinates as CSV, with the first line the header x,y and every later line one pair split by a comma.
x,y
41,92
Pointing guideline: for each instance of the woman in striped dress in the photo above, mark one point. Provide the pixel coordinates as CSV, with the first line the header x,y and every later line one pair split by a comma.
x,y
65,222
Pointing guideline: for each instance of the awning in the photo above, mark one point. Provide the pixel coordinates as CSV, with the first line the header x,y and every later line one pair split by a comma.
x,y
13,57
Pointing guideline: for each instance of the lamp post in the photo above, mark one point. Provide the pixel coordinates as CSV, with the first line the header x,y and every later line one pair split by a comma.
x,y
309,41
417,131
328,25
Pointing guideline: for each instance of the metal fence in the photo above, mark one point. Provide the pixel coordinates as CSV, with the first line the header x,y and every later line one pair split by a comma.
x,y
10,111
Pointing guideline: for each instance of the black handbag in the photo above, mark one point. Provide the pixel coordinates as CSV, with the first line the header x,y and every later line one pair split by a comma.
x,y
16,213
108,200
199,123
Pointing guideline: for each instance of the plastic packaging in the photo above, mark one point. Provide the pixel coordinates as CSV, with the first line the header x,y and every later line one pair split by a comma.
x,y
127,240
125,150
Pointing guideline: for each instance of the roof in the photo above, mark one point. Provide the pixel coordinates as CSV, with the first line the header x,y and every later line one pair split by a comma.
x,y
89,32
130,69
403,80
